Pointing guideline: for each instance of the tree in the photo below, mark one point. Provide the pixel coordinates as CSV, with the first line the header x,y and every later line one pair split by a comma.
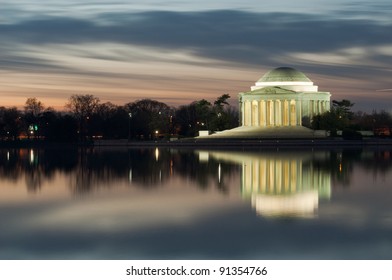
x,y
379,122
110,121
33,106
11,122
203,114
343,108
83,107
221,101
338,118
223,116
149,118
185,120
33,110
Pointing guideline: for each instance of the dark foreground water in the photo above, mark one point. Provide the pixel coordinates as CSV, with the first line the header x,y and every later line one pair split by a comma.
x,y
195,204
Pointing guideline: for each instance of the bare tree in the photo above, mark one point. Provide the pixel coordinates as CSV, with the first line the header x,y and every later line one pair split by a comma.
x,y
33,106
33,110
83,106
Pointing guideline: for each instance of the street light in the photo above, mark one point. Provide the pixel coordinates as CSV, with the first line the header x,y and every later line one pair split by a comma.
x,y
170,125
129,126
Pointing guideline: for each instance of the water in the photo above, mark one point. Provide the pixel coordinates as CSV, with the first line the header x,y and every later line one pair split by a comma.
x,y
195,204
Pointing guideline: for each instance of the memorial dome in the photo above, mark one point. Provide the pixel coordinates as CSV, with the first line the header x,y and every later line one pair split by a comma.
x,y
282,97
283,74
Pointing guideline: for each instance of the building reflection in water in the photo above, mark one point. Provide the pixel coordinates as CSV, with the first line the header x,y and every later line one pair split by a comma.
x,y
288,184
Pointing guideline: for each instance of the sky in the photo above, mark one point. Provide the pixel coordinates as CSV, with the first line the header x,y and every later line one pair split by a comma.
x,y
180,51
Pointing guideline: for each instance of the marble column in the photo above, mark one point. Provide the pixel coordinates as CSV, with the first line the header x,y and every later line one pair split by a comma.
x,y
299,112
263,111
270,113
278,115
293,113
247,113
326,106
288,113
251,113
318,107
242,113
255,113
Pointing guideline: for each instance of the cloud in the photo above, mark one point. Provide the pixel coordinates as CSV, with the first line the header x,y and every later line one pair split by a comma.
x,y
339,45
219,34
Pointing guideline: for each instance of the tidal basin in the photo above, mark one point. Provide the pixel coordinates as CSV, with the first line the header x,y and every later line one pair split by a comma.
x,y
169,203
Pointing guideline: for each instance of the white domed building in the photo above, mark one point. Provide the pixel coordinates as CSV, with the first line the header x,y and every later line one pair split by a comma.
x,y
282,97
277,105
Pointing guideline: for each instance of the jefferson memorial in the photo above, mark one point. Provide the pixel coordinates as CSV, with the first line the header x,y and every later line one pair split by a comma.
x,y
277,105
282,97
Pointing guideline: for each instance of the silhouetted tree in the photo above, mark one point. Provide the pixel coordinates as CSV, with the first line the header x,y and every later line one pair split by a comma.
x,y
338,118
33,106
58,127
149,118
83,107
343,108
202,115
110,121
32,112
223,116
185,120
11,123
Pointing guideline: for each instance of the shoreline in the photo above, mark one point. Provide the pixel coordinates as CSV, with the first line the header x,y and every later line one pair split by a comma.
x,y
256,143
215,143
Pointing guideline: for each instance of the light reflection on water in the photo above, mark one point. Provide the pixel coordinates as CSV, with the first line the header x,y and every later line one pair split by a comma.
x,y
282,184
173,203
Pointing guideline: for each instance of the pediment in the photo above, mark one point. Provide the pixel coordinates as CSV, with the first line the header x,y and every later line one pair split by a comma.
x,y
271,90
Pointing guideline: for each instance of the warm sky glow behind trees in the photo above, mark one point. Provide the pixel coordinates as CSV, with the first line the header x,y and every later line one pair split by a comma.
x,y
177,52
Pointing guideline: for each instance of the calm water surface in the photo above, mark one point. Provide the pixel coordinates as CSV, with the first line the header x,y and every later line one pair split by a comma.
x,y
195,204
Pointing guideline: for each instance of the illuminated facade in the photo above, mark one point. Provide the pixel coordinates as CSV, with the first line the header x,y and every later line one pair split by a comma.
x,y
282,97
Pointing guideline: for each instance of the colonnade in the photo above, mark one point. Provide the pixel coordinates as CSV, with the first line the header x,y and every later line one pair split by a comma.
x,y
280,112
317,107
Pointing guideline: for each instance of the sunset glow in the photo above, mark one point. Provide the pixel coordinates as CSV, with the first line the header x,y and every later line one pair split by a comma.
x,y
177,52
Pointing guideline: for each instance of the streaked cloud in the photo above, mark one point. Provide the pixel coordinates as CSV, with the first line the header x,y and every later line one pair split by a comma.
x,y
161,41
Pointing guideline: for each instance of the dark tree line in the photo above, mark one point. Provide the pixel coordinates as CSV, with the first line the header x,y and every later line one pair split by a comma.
x,y
342,118
87,118
202,115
